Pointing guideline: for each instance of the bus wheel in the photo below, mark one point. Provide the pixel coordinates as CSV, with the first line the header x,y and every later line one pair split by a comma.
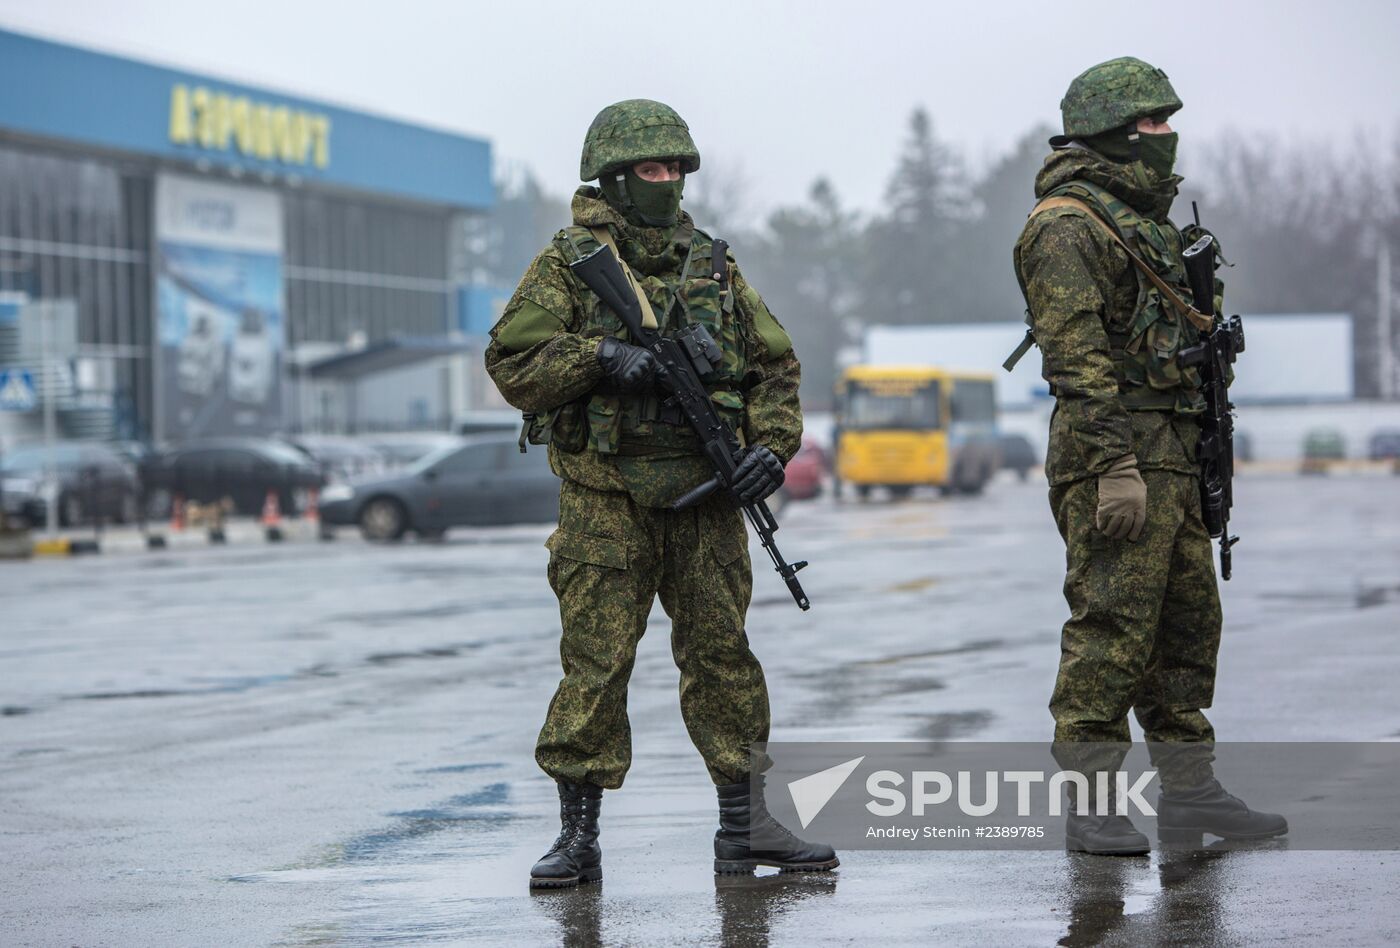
x,y
900,491
863,491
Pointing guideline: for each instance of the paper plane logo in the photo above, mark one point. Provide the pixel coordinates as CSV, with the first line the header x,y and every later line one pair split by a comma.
x,y
810,794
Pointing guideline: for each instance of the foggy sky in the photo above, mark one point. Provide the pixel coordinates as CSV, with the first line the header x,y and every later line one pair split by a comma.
x,y
780,91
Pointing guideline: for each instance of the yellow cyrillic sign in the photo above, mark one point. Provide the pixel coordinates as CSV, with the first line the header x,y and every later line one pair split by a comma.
x,y
215,120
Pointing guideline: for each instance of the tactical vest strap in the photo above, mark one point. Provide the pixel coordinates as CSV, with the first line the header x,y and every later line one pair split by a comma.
x,y
605,237
1200,320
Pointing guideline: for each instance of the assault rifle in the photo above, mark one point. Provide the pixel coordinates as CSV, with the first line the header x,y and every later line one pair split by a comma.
x,y
1212,357
684,357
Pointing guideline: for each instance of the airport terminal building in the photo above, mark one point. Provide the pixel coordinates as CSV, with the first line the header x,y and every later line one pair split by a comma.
x,y
201,257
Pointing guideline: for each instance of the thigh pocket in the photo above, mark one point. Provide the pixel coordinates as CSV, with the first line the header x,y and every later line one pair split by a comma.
x,y
585,548
575,560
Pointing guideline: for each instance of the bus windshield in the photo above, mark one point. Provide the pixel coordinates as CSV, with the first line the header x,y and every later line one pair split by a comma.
x,y
884,407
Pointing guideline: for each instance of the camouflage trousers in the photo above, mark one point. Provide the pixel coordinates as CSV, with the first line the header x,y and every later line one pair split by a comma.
x,y
1144,625
609,560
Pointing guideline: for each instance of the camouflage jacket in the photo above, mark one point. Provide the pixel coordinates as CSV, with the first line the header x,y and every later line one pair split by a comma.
x,y
1108,342
543,358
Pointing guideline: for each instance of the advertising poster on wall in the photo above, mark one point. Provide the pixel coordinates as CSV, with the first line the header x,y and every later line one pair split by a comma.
x,y
219,308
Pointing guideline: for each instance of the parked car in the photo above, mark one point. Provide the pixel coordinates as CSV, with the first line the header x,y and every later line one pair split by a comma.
x,y
20,502
1244,447
90,480
479,480
404,448
1384,445
802,478
1017,454
340,458
1321,447
241,469
487,421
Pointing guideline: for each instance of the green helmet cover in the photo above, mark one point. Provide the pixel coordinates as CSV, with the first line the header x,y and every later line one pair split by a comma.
x,y
1111,95
636,130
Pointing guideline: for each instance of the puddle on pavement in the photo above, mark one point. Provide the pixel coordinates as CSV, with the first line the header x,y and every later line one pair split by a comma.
x,y
978,645
1364,596
212,686
439,651
950,725
460,768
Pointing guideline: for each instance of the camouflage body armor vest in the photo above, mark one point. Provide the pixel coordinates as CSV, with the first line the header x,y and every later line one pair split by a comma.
x,y
1145,342
633,425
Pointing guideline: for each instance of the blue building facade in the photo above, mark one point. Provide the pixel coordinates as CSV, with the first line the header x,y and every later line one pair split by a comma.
x,y
192,240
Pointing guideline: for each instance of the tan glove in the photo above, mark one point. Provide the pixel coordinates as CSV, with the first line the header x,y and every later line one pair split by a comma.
x,y
1122,500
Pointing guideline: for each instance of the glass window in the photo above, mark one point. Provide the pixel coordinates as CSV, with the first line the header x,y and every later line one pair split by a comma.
x,y
35,457
871,408
473,459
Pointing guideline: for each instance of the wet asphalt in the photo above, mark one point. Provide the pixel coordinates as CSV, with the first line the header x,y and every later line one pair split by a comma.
x,y
331,744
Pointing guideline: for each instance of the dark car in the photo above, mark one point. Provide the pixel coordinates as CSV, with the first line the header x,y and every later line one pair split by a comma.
x,y
480,480
1384,445
90,481
20,502
1017,454
1244,447
244,470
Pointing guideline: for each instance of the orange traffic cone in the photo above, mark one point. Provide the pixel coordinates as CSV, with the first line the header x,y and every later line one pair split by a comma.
x,y
272,517
177,513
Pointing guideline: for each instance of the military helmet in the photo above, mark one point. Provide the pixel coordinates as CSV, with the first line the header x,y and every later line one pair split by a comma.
x,y
636,130
1111,95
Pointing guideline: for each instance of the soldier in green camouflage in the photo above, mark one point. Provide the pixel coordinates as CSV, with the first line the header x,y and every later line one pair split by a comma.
x,y
623,455
1145,618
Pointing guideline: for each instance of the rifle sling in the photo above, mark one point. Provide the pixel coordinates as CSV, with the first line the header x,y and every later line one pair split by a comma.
x,y
1198,319
604,236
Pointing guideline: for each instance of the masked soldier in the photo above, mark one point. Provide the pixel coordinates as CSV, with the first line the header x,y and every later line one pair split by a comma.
x,y
1101,268
624,454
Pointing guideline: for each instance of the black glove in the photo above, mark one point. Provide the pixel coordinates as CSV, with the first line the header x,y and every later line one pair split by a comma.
x,y
758,475
630,368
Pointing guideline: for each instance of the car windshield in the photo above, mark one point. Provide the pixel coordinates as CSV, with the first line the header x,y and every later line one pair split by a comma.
x,y
282,453
34,457
433,457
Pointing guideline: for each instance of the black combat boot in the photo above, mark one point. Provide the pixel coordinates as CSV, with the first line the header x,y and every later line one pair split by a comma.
x,y
1207,808
749,837
575,856
1112,835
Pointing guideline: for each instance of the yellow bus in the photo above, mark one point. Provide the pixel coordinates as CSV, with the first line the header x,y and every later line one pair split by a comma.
x,y
902,426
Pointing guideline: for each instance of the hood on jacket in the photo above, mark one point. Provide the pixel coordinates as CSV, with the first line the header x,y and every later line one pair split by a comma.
x,y
1132,183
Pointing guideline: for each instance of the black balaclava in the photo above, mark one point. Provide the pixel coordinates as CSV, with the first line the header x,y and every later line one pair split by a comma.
x,y
1126,144
645,203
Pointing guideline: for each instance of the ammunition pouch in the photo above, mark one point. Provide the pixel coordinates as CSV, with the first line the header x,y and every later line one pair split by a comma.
x,y
564,427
